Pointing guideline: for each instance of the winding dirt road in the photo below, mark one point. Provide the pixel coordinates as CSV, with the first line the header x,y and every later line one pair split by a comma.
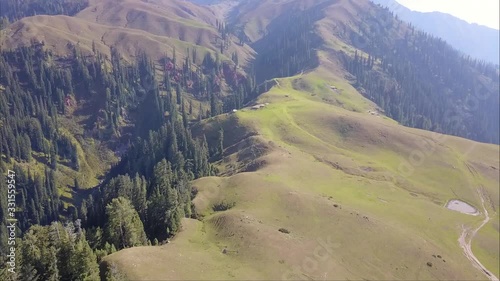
x,y
465,241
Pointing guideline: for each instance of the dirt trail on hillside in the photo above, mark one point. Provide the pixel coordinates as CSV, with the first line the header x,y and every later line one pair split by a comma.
x,y
465,241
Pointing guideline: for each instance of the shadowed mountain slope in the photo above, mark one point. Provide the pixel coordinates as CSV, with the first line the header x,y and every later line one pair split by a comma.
x,y
478,41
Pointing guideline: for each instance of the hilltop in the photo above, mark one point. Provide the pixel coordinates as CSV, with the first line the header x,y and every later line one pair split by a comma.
x,y
155,27
329,175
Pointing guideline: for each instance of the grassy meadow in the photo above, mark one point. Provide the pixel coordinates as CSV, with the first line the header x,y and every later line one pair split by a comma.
x,y
360,196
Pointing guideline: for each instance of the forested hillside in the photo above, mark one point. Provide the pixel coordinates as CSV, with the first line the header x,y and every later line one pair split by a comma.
x,y
98,106
480,42
416,78
421,81
288,47
13,10
57,113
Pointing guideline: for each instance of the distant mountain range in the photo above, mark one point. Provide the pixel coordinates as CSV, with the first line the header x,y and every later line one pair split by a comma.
x,y
475,40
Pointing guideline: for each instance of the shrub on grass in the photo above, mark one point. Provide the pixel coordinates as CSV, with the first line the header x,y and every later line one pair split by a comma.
x,y
223,206
284,230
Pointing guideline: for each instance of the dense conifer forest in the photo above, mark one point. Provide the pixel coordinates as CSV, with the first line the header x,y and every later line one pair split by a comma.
x,y
147,193
423,82
13,10
288,47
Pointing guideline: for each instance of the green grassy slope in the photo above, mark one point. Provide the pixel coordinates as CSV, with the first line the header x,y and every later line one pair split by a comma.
x,y
360,196
130,26
331,173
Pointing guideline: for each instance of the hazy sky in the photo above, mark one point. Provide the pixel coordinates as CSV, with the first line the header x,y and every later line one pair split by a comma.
x,y
484,12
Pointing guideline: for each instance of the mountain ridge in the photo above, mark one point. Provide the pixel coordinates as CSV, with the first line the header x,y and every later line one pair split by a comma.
x,y
243,155
476,40
127,19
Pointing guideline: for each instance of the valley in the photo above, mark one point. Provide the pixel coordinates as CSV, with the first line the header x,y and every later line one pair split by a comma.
x,y
246,140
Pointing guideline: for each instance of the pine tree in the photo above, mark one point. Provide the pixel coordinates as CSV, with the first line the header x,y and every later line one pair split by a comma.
x,y
220,142
84,261
200,113
114,274
124,227
213,105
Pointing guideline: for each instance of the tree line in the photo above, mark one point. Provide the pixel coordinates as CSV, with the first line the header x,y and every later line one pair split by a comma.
x,y
288,46
13,10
